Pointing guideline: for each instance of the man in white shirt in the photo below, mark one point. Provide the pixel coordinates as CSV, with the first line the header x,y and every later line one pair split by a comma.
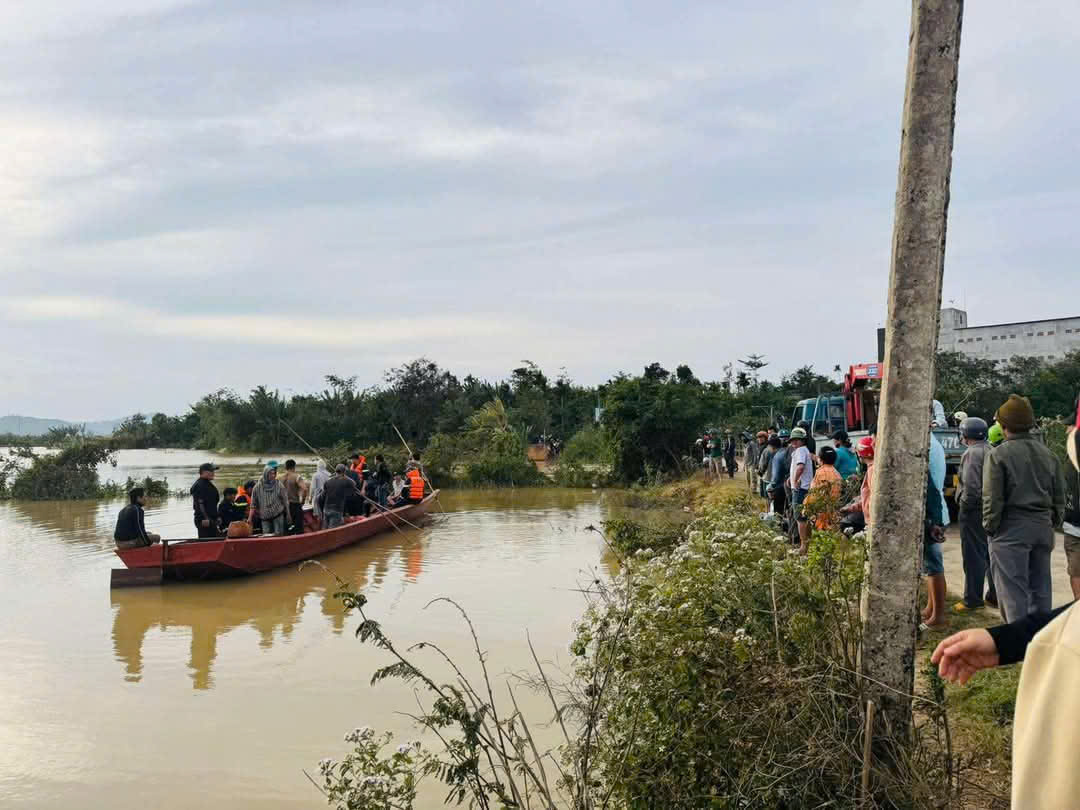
x,y
802,476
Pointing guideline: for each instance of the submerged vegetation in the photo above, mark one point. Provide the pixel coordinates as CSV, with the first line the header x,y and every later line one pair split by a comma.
x,y
717,668
68,471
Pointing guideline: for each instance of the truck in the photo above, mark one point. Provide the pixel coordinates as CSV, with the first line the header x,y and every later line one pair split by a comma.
x,y
855,410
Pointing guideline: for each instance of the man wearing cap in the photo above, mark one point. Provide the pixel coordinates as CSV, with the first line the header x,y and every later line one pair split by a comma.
x,y
802,476
1023,500
204,497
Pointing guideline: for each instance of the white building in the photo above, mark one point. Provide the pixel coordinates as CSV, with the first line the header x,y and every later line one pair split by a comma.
x,y
1050,339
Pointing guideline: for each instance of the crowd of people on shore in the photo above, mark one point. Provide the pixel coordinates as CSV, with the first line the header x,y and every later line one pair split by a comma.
x,y
1012,495
282,503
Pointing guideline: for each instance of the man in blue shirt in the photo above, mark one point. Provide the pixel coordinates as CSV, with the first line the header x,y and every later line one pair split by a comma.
x,y
846,462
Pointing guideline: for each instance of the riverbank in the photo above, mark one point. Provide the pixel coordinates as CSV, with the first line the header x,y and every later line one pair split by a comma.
x,y
980,713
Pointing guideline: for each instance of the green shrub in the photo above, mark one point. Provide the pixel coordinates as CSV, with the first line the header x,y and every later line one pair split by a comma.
x,y
70,474
728,662
630,536
154,487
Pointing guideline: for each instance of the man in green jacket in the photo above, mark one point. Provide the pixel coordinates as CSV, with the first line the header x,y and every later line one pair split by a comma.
x,y
1023,501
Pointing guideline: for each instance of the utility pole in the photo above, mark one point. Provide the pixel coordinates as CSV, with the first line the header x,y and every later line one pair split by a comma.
x,y
889,608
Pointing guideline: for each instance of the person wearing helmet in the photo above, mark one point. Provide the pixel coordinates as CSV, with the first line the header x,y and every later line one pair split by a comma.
x,y
995,435
973,543
811,445
1044,772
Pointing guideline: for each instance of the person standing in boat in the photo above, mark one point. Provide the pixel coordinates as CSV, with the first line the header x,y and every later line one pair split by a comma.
x,y
335,494
296,488
204,500
318,481
131,523
270,502
383,479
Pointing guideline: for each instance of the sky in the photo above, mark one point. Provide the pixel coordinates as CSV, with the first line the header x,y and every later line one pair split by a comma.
x,y
235,192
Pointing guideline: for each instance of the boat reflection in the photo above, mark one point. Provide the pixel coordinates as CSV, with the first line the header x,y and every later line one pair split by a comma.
x,y
272,603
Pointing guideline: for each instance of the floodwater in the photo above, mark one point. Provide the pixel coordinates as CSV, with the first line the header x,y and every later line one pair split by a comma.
x,y
220,694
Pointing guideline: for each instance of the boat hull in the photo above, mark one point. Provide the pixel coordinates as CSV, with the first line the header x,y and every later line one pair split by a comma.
x,y
196,559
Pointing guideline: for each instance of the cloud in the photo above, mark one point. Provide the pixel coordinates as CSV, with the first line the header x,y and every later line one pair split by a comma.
x,y
140,322
594,185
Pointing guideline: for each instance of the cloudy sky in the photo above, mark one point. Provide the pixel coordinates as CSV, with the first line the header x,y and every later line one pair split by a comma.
x,y
234,192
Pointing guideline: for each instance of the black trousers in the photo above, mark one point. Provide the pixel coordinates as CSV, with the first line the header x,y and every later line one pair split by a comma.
x,y
206,532
296,518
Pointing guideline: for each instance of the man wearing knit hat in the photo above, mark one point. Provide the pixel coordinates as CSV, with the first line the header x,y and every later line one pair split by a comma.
x,y
1023,501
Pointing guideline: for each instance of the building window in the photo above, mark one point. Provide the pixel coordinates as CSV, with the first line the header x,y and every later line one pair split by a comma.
x,y
979,339
1049,333
1040,334
1068,331
994,337
1031,334
1012,337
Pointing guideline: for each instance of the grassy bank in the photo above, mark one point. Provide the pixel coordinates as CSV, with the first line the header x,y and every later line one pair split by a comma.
x,y
980,714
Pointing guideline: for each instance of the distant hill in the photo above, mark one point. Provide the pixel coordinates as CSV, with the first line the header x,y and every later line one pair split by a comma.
x,y
36,426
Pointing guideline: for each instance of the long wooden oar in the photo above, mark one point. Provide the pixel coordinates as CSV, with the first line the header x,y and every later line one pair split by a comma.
x,y
135,577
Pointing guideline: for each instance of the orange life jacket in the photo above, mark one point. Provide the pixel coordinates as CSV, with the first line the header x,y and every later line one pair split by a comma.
x,y
358,467
416,485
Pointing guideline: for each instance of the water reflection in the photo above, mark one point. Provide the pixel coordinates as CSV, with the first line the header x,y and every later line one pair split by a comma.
x,y
271,603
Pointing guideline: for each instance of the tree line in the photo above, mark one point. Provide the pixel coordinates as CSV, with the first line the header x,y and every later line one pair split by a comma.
x,y
648,425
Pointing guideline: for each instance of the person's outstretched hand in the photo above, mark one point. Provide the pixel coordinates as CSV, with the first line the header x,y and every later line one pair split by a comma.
x,y
963,654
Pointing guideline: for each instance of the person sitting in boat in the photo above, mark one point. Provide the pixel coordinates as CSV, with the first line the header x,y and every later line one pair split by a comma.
x,y
414,488
396,487
131,523
230,509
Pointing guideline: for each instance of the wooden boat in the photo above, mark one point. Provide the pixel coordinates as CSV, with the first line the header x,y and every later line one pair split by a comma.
x,y
229,557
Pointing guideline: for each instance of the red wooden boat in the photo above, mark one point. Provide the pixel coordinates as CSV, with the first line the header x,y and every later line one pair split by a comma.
x,y
228,557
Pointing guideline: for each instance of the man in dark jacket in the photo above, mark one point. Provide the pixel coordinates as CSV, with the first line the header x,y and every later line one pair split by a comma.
x,y
1023,500
204,500
131,523
229,511
973,542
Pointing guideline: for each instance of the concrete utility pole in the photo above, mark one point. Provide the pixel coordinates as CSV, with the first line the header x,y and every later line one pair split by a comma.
x,y
889,608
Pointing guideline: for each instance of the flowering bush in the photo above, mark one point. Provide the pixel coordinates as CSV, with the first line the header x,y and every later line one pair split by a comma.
x,y
727,664
366,779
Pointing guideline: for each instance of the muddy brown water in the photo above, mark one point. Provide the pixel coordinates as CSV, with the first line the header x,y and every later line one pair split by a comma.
x,y
219,694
